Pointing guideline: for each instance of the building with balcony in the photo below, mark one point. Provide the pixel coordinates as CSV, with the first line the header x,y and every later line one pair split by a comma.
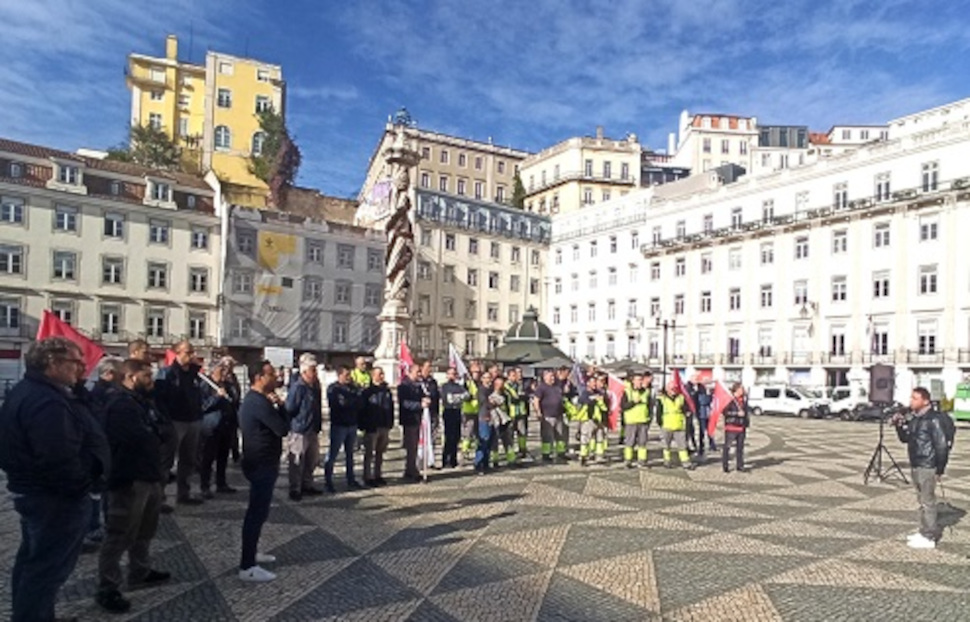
x,y
118,251
210,110
581,171
807,275
306,279
705,141
478,267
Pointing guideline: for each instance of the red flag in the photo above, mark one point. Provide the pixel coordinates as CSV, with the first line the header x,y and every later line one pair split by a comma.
x,y
616,390
405,358
683,391
720,398
169,357
52,326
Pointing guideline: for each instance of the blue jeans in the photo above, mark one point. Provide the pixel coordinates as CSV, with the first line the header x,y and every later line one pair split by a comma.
x,y
482,453
262,481
341,436
52,529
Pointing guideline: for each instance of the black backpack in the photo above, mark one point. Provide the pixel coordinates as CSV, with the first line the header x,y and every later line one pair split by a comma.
x,y
949,429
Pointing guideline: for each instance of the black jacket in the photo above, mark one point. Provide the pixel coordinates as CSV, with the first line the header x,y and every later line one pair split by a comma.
x,y
926,441
101,390
178,393
135,439
49,442
263,427
736,416
431,388
453,395
409,396
345,404
378,409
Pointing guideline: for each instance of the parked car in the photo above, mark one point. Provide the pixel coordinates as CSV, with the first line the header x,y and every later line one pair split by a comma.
x,y
780,399
873,412
844,400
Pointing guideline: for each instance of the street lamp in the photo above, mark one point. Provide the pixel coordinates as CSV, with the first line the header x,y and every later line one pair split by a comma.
x,y
667,325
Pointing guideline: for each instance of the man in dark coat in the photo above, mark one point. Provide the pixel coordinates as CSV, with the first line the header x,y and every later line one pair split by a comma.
x,y
178,395
411,402
376,421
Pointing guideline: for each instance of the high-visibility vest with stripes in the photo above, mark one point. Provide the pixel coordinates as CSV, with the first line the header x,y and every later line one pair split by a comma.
x,y
516,409
639,411
672,416
360,378
470,407
595,409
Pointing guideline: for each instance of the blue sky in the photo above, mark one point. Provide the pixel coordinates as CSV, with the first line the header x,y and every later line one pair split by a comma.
x,y
527,73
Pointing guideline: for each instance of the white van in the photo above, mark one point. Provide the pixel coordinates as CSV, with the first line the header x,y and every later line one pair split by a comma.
x,y
780,399
846,399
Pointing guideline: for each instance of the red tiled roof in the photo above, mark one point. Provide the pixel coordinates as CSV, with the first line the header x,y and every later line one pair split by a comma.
x,y
818,138
697,120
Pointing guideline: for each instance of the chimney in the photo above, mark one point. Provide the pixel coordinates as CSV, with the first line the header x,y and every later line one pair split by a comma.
x,y
171,47
671,144
599,131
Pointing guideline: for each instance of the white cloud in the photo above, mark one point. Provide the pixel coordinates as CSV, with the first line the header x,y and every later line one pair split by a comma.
x,y
324,93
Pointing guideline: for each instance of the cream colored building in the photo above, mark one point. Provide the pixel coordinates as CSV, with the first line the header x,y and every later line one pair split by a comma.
x,y
210,110
706,141
580,172
117,250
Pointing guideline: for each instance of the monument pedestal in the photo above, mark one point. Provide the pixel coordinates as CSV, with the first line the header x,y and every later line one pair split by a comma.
x,y
394,319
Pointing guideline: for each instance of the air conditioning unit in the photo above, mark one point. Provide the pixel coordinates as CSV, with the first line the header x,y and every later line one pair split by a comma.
x,y
904,194
961,183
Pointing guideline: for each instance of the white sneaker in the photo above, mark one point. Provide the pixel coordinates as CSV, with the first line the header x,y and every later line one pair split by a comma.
x,y
265,558
912,535
256,575
921,542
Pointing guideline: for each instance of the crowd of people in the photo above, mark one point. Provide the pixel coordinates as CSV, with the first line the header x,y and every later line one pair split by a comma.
x,y
88,464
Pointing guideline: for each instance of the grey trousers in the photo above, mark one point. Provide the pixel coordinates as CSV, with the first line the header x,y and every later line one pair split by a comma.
x,y
673,437
412,434
375,444
924,480
552,430
187,434
300,472
131,525
635,435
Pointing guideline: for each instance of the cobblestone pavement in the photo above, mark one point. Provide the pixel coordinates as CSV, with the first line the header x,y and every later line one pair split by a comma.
x,y
799,537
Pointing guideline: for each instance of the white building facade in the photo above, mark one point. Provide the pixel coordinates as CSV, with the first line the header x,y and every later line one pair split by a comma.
x,y
806,275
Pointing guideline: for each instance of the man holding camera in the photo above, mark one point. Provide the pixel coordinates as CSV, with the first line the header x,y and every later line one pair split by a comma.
x,y
924,433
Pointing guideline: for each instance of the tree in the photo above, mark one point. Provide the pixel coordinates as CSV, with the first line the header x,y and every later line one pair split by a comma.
x,y
518,192
149,147
275,158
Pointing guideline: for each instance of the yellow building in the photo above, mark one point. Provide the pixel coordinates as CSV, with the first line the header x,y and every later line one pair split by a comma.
x,y
210,110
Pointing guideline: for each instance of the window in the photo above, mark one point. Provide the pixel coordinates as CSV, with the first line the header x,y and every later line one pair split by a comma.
x,y
157,276
624,171
635,240
223,137
342,292
931,176
654,307
341,330
449,241
681,229
880,285
725,146
110,319
607,170
591,312
263,104
112,270
838,289
706,145
425,237
707,263
16,169
534,286
612,244
928,228
767,254
372,295
225,68
515,283
183,127
65,265
443,156
70,175
767,297
310,327
471,310
200,238
592,248
655,271
880,235
11,259
158,231
801,292
679,304
882,187
634,273
840,241
840,196
495,250
161,191
461,187
734,299
611,309
736,218
259,138
557,285
801,247
734,259
680,267
472,277
588,168
500,194
479,190
155,120
592,279
65,218
492,312
448,274
767,211
493,280
657,234
765,160
443,183
314,251
242,283
424,271
880,340
472,246
198,280
262,75
500,165
534,257
11,210
157,96
926,337
587,196
115,188
705,302
574,282
345,256
448,307
927,279
312,289
375,260
743,147
224,98
631,308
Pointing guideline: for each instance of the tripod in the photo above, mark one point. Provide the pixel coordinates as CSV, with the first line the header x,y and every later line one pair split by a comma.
x,y
875,468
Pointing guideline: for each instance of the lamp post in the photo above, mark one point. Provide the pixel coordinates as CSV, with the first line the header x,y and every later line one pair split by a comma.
x,y
666,325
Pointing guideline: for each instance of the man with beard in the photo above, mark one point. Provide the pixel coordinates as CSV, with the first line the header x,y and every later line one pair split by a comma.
x,y
179,396
134,488
453,395
376,421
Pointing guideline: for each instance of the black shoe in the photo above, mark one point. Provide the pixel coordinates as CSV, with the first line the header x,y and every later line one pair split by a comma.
x,y
208,494
547,458
165,509
154,577
189,501
113,602
295,496
309,491
329,488
225,489
742,469
171,477
726,470
630,465
354,485
381,481
370,483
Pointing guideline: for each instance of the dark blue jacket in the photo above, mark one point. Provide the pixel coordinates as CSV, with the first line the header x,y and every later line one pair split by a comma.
x,y
409,396
49,442
101,391
216,410
303,404
136,441
345,404
378,409
178,394
263,427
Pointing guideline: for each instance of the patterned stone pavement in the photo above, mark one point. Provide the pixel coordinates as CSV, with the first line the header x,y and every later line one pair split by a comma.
x,y
798,538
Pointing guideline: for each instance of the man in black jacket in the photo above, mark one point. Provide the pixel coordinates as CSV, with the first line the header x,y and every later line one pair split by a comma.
x,y
344,402
434,409
926,441
453,395
218,429
52,453
736,423
179,396
411,402
134,487
376,421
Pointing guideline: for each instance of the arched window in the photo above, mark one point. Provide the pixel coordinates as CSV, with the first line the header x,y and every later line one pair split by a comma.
x,y
223,137
258,139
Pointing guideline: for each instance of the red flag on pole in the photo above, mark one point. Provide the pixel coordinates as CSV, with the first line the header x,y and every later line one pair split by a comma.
x,y
169,357
405,358
52,326
615,390
720,398
683,391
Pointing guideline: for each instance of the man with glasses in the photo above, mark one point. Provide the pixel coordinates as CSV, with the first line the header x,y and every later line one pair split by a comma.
x,y
53,452
178,395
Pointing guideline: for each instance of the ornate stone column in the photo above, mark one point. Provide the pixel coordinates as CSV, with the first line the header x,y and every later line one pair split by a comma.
x,y
395,317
